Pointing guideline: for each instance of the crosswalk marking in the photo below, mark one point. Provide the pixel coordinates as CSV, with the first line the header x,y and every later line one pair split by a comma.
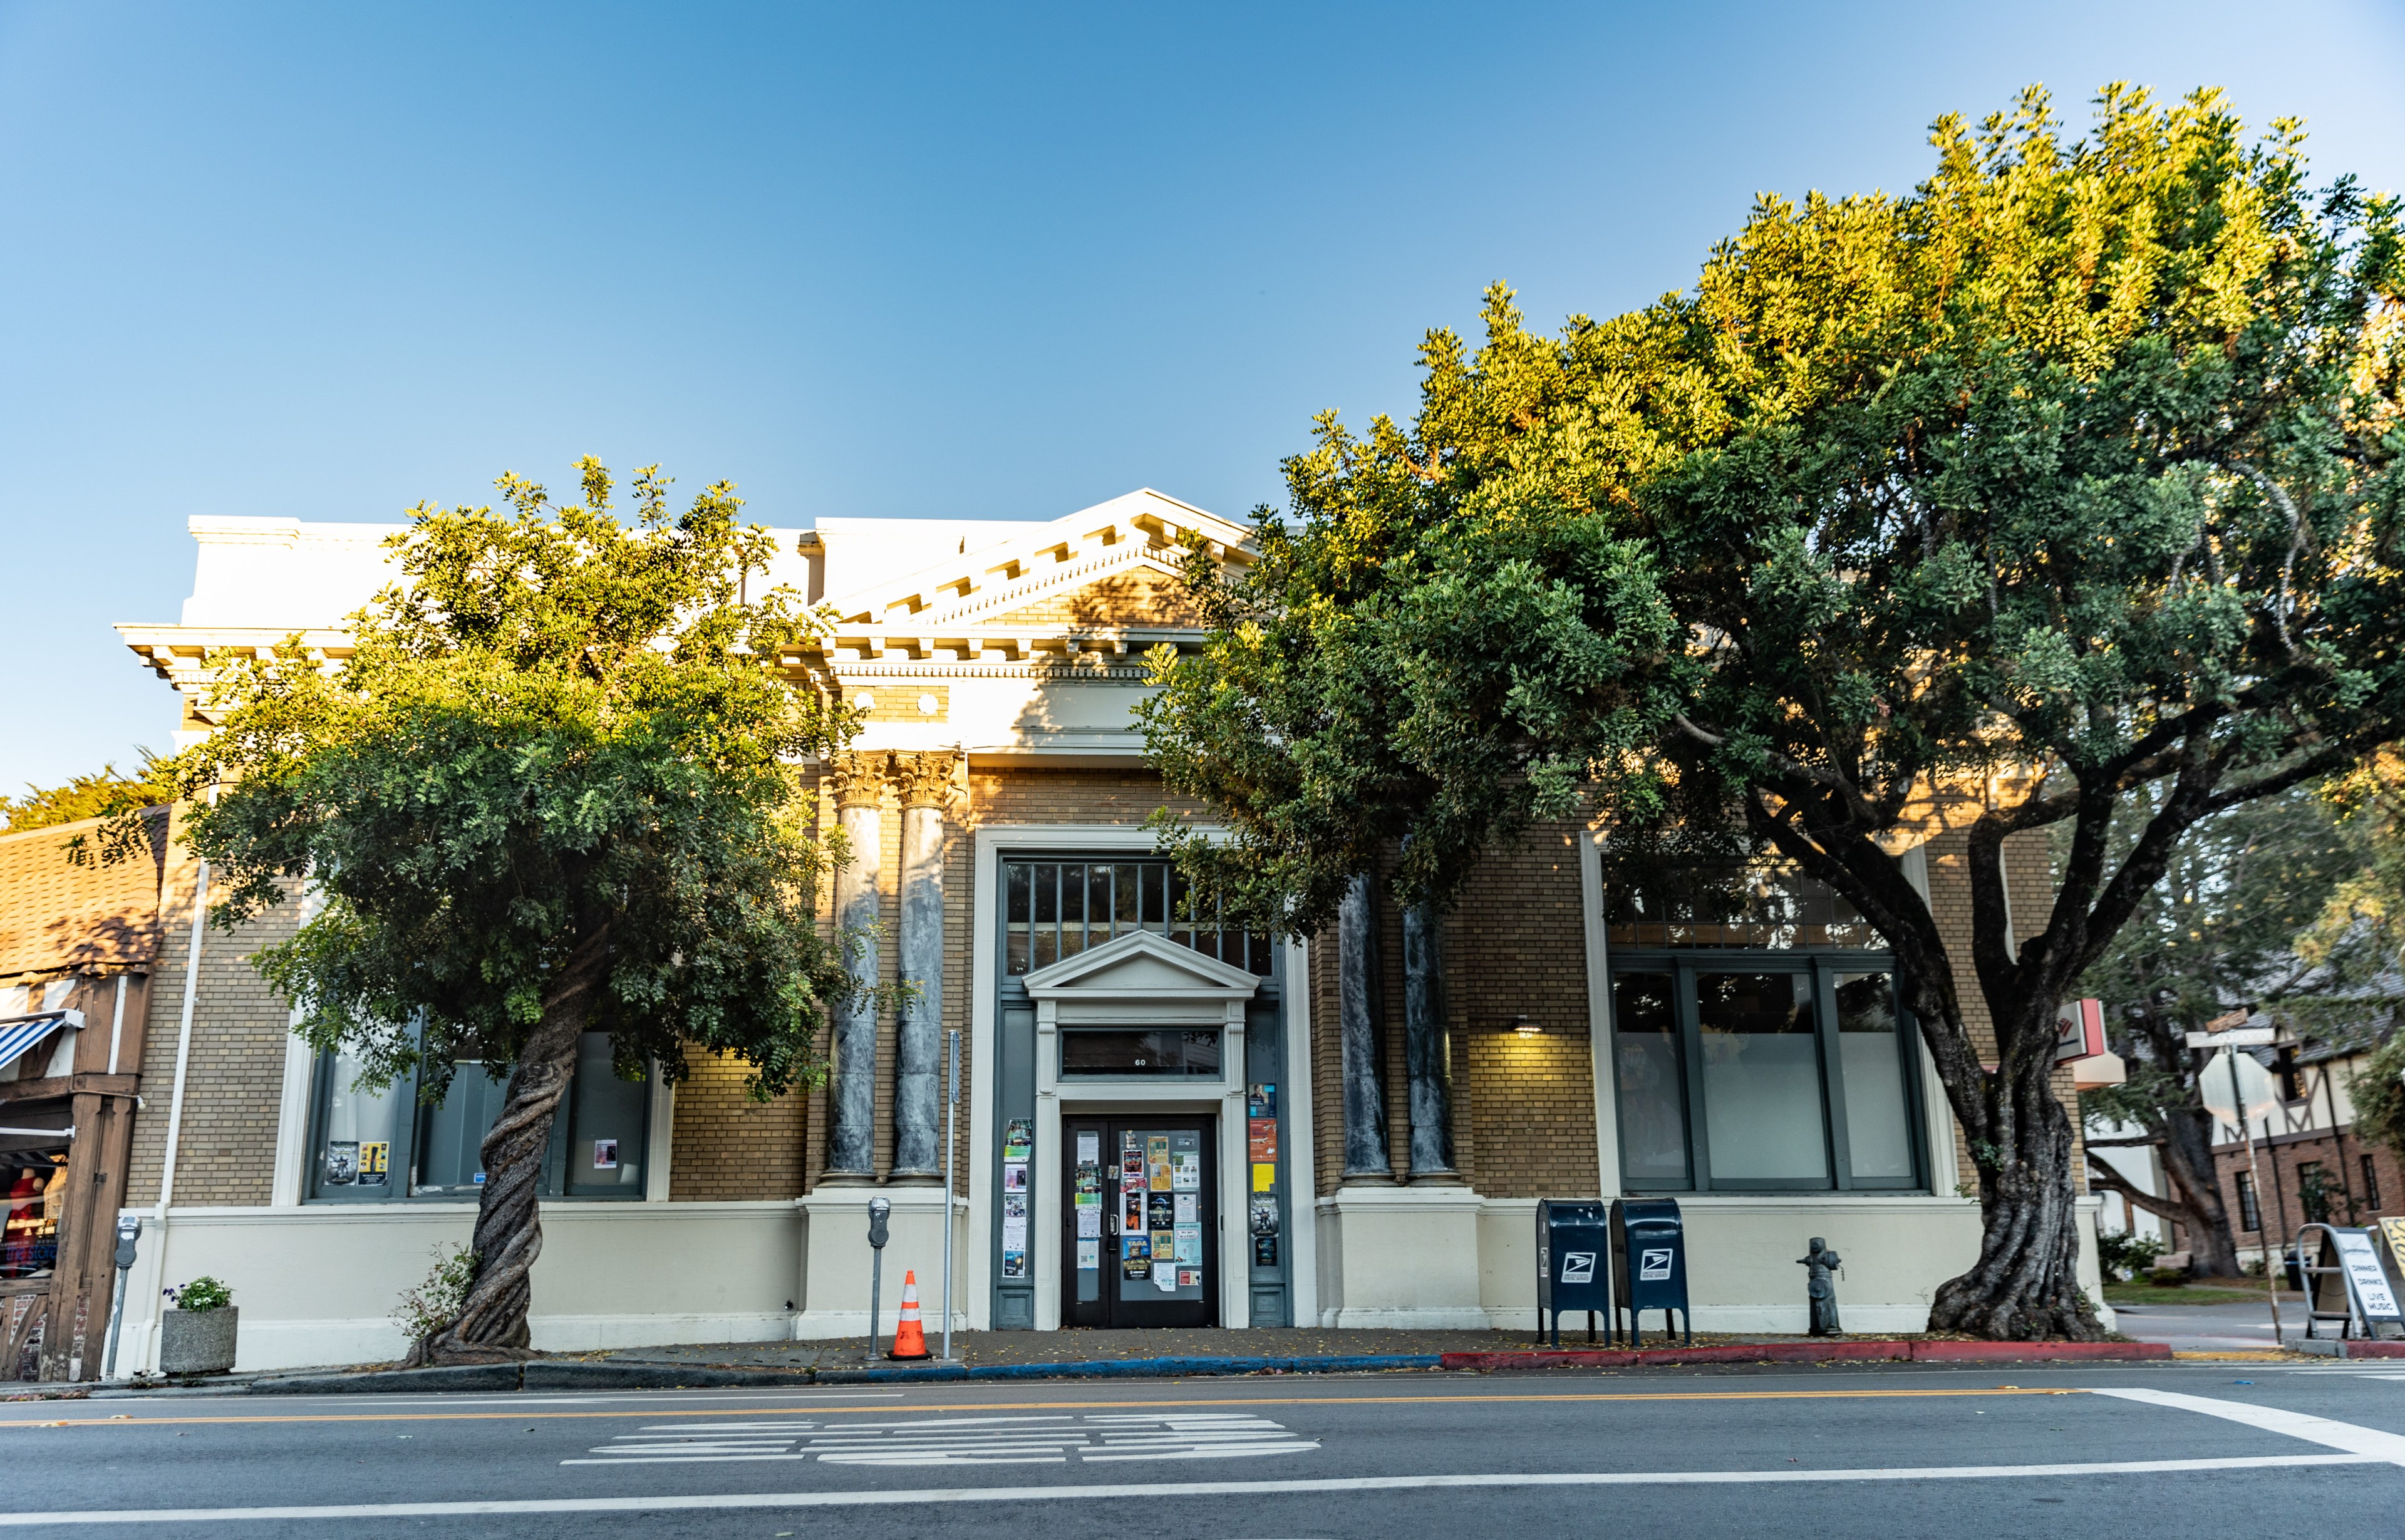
x,y
1051,1440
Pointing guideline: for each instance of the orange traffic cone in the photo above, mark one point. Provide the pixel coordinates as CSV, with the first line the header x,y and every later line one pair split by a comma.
x,y
909,1338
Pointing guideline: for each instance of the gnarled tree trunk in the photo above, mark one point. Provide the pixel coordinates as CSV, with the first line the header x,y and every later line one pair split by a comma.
x,y
492,1322
2025,1285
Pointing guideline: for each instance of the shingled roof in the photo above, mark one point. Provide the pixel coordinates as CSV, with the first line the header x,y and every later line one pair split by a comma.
x,y
57,918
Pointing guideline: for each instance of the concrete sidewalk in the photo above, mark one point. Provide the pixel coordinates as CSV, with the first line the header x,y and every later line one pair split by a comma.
x,y
1080,1346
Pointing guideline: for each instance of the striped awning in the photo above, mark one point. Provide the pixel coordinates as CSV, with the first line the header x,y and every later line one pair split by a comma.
x,y
18,1034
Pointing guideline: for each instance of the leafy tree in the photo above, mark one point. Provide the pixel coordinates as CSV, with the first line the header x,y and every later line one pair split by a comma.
x,y
105,794
2219,930
2369,911
2067,480
553,789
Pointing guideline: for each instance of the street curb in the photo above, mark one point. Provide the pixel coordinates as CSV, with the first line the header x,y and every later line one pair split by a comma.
x,y
1810,1352
2341,1346
457,1376
553,1374
1133,1368
572,1374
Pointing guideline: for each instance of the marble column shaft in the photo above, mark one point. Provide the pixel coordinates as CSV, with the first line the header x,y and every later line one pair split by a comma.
x,y
1426,1063
1357,1011
858,781
926,787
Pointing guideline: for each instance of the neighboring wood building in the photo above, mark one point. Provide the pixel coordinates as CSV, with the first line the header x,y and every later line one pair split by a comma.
x,y
1162,1122
78,947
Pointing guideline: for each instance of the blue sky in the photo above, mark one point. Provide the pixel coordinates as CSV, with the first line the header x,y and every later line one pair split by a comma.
x,y
324,261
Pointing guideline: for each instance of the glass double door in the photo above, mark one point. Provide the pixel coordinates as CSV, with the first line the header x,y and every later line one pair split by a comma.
x,y
1141,1221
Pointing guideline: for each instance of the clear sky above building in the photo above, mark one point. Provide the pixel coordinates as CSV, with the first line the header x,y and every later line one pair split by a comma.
x,y
325,261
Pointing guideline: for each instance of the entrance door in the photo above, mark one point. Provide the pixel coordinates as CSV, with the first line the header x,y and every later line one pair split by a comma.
x,y
1140,1245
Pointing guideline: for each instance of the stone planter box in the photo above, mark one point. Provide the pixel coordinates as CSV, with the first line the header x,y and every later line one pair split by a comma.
x,y
198,1341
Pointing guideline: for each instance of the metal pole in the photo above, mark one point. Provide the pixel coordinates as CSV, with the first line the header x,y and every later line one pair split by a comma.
x,y
116,1321
951,1101
876,1293
129,1231
2271,1270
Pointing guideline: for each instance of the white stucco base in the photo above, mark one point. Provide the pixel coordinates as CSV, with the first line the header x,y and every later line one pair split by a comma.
x,y
1402,1257
317,1284
1399,1257
836,1261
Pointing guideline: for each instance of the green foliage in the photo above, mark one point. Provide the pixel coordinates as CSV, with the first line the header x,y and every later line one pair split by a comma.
x,y
202,1293
428,1307
2123,1254
2068,480
2378,1091
2081,458
555,765
105,794
2222,929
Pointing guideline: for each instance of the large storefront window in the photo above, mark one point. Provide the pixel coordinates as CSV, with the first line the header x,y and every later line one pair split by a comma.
x,y
374,1145
1055,909
1758,1045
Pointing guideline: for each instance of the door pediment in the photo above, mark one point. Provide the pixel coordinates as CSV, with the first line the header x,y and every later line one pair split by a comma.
x,y
1141,975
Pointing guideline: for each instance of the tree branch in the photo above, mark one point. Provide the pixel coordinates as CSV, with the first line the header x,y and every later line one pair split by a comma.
x,y
2137,1197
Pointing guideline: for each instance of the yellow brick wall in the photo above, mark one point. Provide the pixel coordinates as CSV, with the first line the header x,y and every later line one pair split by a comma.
x,y
1523,1107
722,1145
1516,946
234,1076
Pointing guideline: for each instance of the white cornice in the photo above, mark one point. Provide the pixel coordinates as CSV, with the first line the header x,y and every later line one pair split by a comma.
x,y
1142,527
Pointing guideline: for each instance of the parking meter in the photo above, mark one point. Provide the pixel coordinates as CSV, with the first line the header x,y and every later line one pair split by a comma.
x,y
129,1230
1573,1263
879,1210
1649,1262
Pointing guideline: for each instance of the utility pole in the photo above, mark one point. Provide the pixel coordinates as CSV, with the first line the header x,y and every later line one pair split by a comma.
x,y
2229,1040
2271,1271
952,1104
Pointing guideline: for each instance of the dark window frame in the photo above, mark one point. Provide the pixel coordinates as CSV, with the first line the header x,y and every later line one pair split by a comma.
x,y
409,1134
1822,965
2250,1206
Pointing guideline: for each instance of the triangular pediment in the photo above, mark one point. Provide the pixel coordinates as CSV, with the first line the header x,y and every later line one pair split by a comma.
x,y
1121,554
1139,965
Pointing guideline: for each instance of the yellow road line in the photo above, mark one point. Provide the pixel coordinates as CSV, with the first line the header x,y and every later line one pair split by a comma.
x,y
658,1413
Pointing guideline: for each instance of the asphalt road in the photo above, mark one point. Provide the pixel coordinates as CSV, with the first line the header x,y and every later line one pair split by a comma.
x,y
2238,1449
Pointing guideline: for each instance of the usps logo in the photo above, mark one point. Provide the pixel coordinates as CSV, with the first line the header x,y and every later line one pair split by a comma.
x,y
1578,1267
1653,1263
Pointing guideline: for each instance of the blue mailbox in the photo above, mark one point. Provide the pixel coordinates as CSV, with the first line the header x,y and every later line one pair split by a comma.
x,y
1573,1263
1649,1262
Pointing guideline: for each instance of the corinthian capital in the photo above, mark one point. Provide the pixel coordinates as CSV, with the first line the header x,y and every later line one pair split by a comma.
x,y
857,776
926,779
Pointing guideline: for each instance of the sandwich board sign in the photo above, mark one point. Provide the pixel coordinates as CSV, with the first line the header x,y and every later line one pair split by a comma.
x,y
2367,1282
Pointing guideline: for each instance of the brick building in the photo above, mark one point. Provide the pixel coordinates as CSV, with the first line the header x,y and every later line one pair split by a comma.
x,y
1162,1121
2307,1163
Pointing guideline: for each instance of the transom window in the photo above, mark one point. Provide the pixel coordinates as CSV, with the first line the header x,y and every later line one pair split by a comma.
x,y
1056,909
1768,904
